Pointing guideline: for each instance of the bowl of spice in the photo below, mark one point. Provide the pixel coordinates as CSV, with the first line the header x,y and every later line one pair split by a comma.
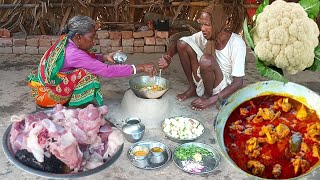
x,y
140,152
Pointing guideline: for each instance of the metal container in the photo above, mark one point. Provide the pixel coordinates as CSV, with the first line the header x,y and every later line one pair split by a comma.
x,y
9,154
152,162
210,163
292,90
179,140
155,146
133,130
138,82
120,57
140,148
157,159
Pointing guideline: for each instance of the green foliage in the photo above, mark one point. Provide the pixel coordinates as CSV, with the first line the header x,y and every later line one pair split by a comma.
x,y
270,72
262,6
247,36
187,152
316,64
311,7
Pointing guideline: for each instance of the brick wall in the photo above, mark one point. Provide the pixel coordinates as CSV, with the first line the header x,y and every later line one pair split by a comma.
x,y
105,42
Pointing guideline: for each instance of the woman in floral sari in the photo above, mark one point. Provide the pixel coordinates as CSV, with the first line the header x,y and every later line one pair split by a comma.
x,y
68,72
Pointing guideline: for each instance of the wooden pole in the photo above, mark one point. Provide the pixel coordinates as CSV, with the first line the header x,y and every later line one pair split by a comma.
x,y
54,5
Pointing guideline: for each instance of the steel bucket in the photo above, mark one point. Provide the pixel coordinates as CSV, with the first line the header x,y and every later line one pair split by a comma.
x,y
292,90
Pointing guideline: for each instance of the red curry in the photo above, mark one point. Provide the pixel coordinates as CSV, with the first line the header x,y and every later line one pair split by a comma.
x,y
273,137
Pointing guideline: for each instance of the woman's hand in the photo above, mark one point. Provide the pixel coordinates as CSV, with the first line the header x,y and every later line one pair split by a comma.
x,y
164,62
148,68
109,57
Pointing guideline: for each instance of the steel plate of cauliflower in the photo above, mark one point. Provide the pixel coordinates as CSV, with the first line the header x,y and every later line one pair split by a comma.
x,y
284,37
182,128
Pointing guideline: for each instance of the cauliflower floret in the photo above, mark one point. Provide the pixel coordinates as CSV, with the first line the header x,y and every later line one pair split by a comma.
x,y
279,35
285,37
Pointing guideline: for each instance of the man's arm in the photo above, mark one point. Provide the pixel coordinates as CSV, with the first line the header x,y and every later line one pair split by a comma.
x,y
233,87
172,49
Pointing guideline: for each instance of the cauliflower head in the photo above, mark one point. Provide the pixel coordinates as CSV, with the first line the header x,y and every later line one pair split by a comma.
x,y
285,37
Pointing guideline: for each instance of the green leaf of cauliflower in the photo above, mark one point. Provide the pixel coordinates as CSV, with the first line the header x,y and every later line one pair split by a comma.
x,y
270,72
247,36
262,6
311,7
316,64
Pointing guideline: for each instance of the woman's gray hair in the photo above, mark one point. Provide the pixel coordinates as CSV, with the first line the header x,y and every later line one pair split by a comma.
x,y
80,25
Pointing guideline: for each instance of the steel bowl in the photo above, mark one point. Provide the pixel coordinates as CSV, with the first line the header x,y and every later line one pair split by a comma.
x,y
138,82
9,154
140,148
292,90
151,163
155,146
120,57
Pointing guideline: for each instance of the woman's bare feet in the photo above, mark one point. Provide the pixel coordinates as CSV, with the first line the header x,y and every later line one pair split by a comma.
x,y
188,94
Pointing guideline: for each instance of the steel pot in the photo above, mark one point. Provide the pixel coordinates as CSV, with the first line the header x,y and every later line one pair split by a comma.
x,y
136,83
292,90
133,130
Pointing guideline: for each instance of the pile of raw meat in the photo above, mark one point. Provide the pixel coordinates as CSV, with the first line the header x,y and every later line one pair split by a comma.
x,y
79,138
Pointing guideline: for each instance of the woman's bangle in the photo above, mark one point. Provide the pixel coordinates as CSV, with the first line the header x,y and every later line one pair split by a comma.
x,y
168,56
134,69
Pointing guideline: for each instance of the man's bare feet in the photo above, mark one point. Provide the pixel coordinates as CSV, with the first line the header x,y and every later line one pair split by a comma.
x,y
188,94
203,103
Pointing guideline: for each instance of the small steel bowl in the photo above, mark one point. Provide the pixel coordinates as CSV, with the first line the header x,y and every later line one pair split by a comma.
x,y
157,159
138,82
157,149
120,57
136,149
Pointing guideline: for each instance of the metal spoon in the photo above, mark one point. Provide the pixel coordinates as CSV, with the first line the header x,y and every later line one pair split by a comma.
x,y
158,82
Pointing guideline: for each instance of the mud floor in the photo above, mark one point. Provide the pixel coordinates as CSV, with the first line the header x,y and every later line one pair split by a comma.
x,y
16,99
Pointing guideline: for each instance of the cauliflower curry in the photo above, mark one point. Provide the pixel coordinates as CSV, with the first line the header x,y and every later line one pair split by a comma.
x,y
273,137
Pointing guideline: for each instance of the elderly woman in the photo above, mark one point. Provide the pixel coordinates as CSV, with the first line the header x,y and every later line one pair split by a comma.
x,y
213,59
68,72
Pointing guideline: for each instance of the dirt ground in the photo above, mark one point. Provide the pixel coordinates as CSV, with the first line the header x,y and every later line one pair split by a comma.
x,y
16,99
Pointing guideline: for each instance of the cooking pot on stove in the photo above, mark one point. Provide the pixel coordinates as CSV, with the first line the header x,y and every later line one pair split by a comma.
x,y
138,82
292,90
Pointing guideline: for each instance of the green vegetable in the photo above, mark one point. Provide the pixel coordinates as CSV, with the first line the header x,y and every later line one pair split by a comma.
x,y
247,37
311,7
270,72
316,64
187,152
262,6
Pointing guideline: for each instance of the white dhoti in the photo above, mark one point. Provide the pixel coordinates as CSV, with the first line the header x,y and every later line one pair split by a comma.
x,y
227,79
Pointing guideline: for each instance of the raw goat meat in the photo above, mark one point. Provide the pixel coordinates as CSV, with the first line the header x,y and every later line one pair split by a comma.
x,y
80,138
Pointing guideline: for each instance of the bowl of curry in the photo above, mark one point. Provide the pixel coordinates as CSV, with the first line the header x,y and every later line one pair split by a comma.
x,y
271,130
149,87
